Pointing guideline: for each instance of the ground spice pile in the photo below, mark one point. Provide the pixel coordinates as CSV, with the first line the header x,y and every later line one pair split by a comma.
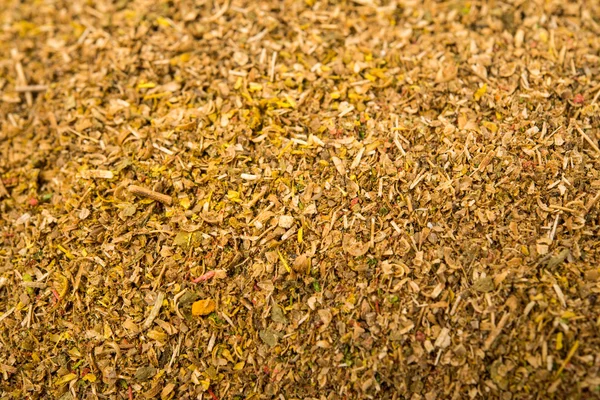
x,y
299,199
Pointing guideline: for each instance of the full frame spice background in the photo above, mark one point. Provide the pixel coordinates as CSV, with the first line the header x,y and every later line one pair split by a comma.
x,y
299,199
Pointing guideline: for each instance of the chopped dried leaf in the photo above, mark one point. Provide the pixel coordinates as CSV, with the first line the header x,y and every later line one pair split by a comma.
x,y
269,337
385,199
484,285
142,374
277,314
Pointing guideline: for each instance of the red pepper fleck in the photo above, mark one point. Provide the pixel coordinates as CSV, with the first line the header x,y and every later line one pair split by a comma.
x,y
578,99
528,165
129,392
32,201
204,277
212,394
420,336
10,181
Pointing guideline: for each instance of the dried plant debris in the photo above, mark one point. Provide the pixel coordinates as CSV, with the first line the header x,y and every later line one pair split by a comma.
x,y
299,199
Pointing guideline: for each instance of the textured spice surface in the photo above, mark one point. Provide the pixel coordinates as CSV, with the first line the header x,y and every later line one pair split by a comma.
x,y
299,199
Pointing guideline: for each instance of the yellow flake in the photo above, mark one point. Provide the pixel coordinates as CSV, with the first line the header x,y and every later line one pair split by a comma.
x,y
156,95
27,28
234,196
67,253
78,29
239,366
164,22
185,202
378,72
203,307
492,127
62,285
65,379
238,83
284,262
146,85
160,337
205,384
480,92
107,331
227,355
286,148
290,101
568,315
568,358
254,87
129,14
